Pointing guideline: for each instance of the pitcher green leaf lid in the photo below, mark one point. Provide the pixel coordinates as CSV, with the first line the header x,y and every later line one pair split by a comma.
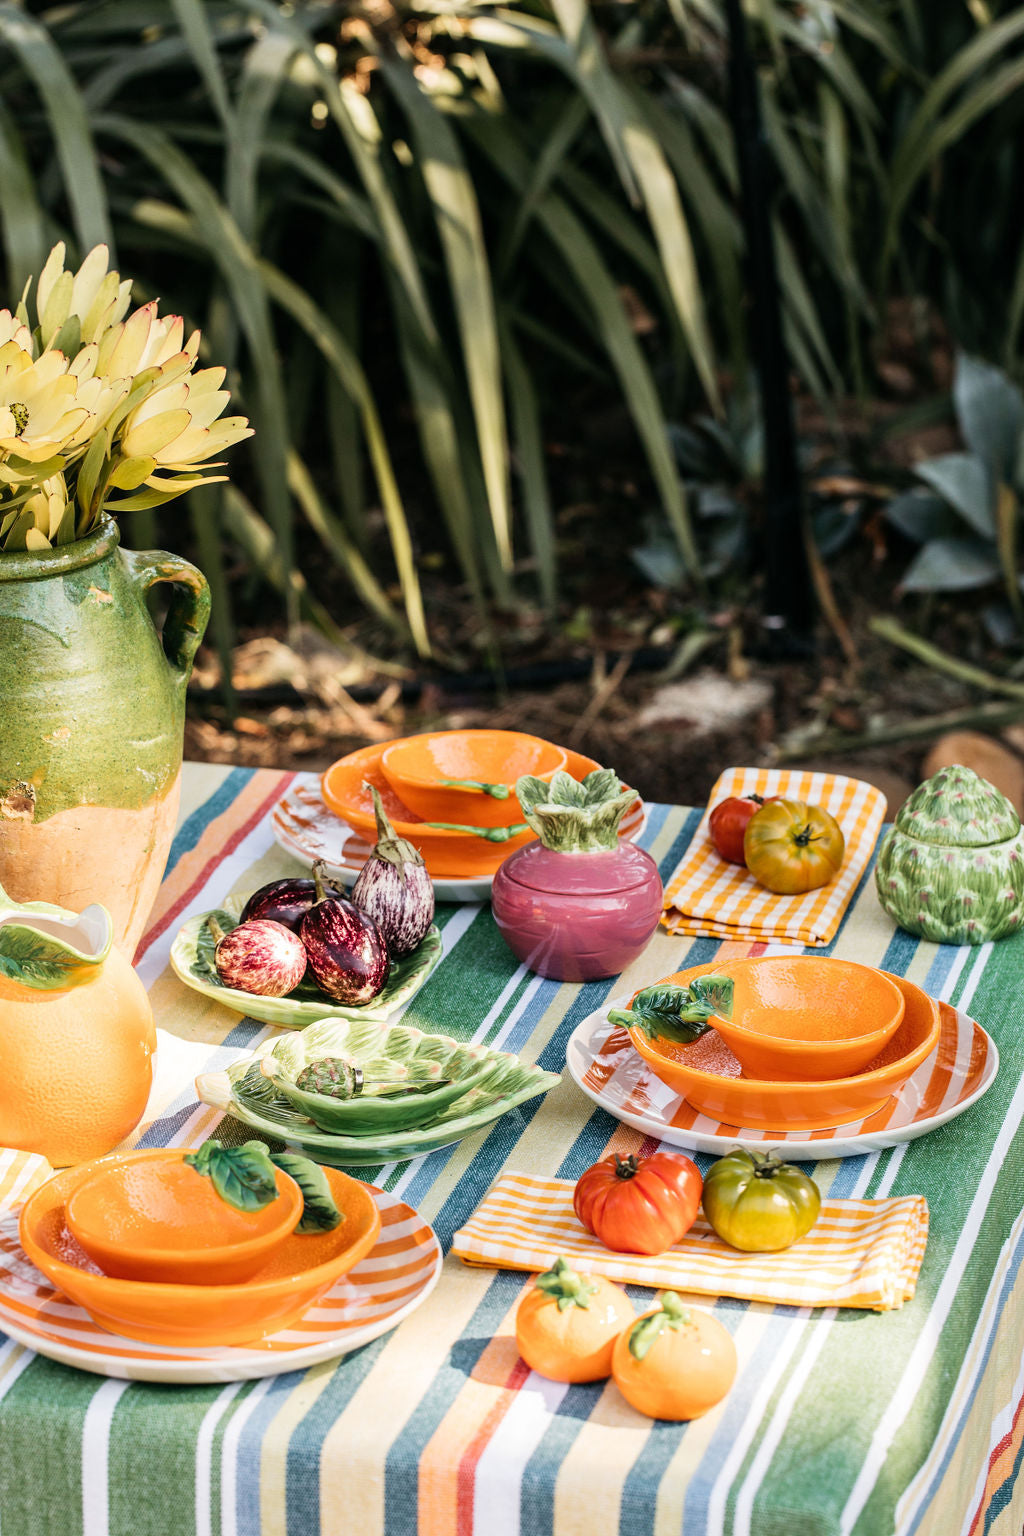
x,y
49,949
957,808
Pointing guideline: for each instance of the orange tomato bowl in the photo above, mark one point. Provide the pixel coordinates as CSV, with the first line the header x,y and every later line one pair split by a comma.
x,y
200,1316
417,766
447,854
149,1216
808,1017
709,1077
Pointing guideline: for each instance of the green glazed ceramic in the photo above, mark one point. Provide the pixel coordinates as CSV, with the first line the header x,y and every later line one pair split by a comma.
x,y
93,707
192,961
398,1054
951,869
246,1093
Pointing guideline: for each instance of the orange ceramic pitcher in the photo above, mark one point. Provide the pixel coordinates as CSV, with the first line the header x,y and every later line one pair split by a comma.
x,y
76,1033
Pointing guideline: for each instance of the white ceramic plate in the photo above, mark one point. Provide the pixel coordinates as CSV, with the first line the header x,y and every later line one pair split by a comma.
x,y
361,1306
305,828
601,1061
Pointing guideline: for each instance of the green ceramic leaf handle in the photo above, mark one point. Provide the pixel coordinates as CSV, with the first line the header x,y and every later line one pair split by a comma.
x,y
189,609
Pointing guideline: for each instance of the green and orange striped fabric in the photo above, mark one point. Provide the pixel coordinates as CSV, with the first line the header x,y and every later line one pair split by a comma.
x,y
841,1422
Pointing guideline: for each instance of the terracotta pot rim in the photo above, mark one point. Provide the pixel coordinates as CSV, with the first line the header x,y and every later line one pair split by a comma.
x,y
28,564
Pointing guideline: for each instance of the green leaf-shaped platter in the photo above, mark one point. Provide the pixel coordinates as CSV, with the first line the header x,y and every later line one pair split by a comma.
x,y
246,1093
192,962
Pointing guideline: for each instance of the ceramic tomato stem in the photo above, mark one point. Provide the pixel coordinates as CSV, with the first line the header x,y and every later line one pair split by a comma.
x,y
566,1286
643,1334
496,791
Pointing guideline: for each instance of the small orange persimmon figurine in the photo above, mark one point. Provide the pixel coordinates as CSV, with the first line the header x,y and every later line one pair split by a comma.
x,y
567,1324
76,1033
675,1362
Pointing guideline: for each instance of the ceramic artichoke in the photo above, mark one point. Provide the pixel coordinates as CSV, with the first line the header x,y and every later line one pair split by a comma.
x,y
332,1077
951,869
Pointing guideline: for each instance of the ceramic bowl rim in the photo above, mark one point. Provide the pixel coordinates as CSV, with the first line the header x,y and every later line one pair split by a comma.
x,y
172,1292
210,1256
803,1086
876,1039
396,778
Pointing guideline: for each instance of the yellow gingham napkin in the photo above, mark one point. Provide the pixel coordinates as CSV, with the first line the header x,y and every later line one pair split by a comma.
x,y
710,898
859,1253
20,1174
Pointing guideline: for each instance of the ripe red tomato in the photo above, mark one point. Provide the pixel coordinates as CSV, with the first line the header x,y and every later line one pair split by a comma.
x,y
728,822
639,1205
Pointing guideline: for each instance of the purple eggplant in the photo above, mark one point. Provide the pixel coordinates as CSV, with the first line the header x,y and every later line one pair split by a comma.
x,y
261,957
345,948
285,901
394,887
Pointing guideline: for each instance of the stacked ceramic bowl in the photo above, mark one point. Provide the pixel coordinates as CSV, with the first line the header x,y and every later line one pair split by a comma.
x,y
451,794
810,1043
145,1245
359,1094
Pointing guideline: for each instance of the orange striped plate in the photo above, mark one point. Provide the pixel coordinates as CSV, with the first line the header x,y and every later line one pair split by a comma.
x,y
602,1061
396,1276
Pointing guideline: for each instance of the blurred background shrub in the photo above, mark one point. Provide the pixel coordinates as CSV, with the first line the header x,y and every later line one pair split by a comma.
x,y
443,246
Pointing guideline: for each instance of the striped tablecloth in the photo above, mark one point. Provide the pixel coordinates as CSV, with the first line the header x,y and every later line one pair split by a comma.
x,y
839,1422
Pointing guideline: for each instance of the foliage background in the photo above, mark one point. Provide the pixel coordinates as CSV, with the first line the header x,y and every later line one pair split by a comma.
x,y
445,247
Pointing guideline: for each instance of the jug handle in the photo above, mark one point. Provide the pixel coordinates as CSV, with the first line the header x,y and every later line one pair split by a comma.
x,y
189,608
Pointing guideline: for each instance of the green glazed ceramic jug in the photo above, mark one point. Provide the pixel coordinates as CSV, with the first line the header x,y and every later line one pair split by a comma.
x,y
92,704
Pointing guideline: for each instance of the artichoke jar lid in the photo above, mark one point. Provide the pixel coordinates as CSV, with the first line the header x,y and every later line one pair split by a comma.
x,y
956,808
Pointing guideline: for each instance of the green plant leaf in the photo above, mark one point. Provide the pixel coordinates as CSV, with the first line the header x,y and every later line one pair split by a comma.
x,y
921,516
319,1211
964,481
678,1014
242,1176
951,565
990,413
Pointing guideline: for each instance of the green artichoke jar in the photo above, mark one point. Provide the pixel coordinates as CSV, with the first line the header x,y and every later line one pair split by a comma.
x,y
93,710
951,869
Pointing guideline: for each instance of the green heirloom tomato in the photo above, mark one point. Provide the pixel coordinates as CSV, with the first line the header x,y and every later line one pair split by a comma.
x,y
757,1203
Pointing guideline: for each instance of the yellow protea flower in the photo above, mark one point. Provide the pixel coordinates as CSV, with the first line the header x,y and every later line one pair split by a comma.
x,y
177,427
144,340
95,297
39,413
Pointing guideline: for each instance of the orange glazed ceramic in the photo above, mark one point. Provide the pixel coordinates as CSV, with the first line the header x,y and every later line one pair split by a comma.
x,y
149,1216
446,854
807,1017
709,1077
301,1270
418,768
76,1034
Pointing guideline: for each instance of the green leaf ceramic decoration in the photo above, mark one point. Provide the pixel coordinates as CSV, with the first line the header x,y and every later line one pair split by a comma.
x,y
242,1176
575,816
192,962
47,949
951,869
679,1014
320,1213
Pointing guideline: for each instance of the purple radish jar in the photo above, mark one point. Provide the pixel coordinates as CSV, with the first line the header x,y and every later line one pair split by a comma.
x,y
579,905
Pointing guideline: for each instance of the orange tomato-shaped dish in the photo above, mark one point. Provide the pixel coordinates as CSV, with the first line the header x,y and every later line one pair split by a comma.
x,y
675,1362
301,1270
149,1216
639,1205
467,776
790,847
567,1324
808,1017
709,1077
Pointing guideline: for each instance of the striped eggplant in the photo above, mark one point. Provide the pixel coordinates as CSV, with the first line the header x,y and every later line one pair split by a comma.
x,y
394,887
285,901
260,956
345,948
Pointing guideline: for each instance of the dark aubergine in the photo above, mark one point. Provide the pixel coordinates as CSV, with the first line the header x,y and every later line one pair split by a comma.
x,y
394,887
285,901
345,948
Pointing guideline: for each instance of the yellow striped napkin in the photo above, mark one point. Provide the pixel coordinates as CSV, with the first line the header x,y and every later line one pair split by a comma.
x,y
20,1174
710,898
860,1253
